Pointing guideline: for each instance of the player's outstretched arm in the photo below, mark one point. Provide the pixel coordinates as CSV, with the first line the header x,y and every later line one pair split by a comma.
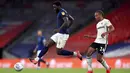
x,y
66,22
71,20
90,36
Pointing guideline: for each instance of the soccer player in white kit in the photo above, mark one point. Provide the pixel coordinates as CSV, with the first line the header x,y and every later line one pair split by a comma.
x,y
104,28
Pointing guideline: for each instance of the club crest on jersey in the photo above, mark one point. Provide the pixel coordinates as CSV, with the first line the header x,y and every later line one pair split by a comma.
x,y
63,13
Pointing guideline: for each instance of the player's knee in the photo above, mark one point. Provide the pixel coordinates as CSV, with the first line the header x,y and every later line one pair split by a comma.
x,y
88,54
59,51
99,60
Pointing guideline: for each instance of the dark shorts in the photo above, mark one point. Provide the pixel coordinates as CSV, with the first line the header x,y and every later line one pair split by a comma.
x,y
101,48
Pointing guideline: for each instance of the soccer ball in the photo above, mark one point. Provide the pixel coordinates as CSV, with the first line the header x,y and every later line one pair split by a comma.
x,y
18,66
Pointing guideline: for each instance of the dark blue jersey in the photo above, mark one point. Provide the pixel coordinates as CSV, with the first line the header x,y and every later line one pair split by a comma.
x,y
41,42
62,13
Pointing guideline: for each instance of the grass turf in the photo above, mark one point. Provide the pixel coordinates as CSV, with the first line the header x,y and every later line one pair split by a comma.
x,y
7,70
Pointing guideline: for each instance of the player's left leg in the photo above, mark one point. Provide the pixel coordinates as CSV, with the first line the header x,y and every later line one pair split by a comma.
x,y
48,44
103,62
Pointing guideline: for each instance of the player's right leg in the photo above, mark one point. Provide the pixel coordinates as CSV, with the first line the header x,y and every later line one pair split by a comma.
x,y
89,53
60,40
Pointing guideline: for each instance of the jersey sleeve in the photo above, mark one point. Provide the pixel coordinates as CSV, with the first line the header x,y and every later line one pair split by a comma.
x,y
108,23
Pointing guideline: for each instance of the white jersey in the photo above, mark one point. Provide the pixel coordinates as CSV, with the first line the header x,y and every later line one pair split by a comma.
x,y
101,28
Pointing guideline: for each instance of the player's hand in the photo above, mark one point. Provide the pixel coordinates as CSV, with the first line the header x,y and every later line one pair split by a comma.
x,y
56,30
104,34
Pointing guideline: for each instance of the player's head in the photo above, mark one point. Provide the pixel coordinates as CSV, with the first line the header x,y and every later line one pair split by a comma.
x,y
39,32
57,6
99,15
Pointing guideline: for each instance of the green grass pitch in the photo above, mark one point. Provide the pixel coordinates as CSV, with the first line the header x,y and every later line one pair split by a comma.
x,y
7,70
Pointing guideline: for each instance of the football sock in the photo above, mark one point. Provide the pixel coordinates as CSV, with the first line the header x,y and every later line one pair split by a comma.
x,y
38,63
64,52
43,52
89,61
74,53
104,64
41,60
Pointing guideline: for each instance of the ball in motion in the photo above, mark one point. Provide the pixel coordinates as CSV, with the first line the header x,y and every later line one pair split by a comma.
x,y
18,66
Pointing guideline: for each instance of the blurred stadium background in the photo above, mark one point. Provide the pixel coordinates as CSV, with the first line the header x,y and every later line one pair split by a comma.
x,y
20,19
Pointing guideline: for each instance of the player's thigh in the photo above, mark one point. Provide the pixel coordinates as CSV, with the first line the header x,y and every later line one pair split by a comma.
x,y
52,40
49,43
90,51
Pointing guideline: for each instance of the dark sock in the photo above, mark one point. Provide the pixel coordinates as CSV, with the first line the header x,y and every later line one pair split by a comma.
x,y
38,63
64,52
41,60
43,52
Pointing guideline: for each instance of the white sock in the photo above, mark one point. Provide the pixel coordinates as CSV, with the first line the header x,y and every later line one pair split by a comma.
x,y
47,63
89,61
104,63
74,53
36,59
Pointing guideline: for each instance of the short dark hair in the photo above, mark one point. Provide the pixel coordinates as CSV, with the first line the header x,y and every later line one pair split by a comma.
x,y
100,12
57,3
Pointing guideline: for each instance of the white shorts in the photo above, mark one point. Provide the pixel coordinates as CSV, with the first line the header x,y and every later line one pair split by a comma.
x,y
60,39
38,52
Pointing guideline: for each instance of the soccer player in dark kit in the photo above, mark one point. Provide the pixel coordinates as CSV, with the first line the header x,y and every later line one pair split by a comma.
x,y
64,21
40,46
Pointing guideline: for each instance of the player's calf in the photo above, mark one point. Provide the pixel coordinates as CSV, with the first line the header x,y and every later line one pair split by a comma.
x,y
64,52
69,53
89,59
102,61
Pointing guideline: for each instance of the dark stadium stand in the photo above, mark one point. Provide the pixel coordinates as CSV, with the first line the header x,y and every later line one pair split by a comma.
x,y
10,31
118,17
